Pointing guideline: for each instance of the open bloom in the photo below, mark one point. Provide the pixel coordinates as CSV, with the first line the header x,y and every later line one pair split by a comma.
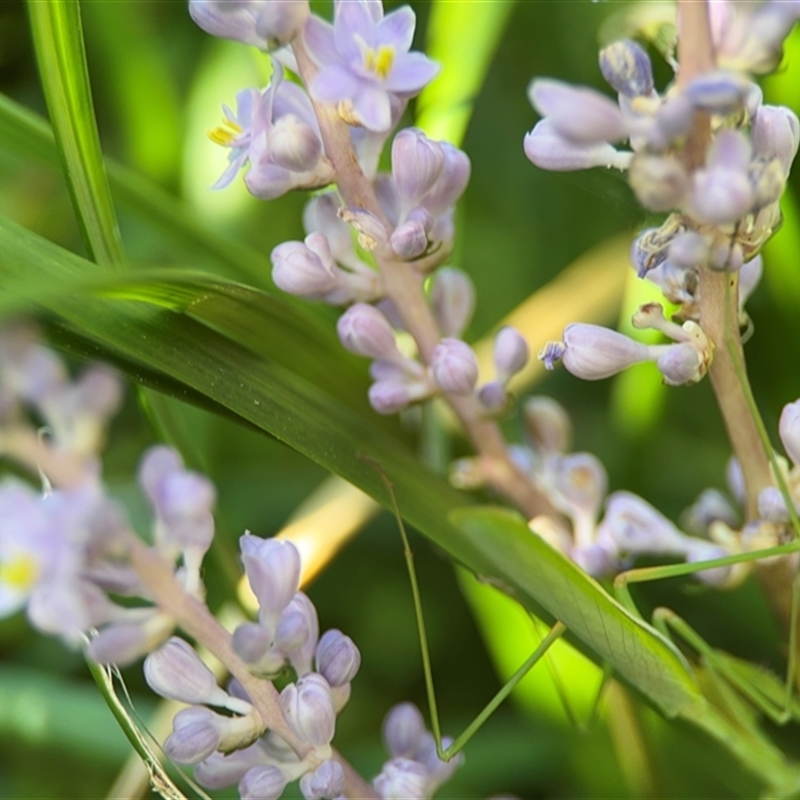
x,y
364,61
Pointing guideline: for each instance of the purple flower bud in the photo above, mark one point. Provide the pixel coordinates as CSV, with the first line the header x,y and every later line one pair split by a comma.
x,y
438,771
597,560
337,657
371,231
262,23
219,771
681,364
688,250
409,240
579,482
365,331
547,424
638,528
273,571
768,181
627,68
251,642
548,149
510,352
734,477
262,783
775,133
305,269
659,182
124,643
98,392
749,277
156,464
454,367
592,352
402,730
293,145
327,780
302,654
580,115
673,120
493,396
389,397
292,632
453,300
321,215
417,163
721,196
175,671
772,506
718,92
710,506
789,430
402,779
649,250
308,709
196,735
701,550
451,182
184,506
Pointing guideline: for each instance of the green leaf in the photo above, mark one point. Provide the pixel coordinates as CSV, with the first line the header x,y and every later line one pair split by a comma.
x,y
462,37
28,135
58,39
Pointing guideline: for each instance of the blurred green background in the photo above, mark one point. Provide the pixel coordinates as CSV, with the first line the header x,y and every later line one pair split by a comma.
x,y
158,84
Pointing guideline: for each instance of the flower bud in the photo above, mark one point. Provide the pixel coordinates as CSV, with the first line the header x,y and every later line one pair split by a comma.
x,y
251,642
636,527
123,643
454,366
775,133
493,396
262,783
772,506
768,181
176,672
293,144
327,780
688,250
548,149
451,183
711,506
389,397
700,550
580,115
402,730
681,364
273,571
365,331
337,658
156,464
321,215
308,709
300,270
280,21
263,23
547,424
789,430
401,779
597,560
627,68
718,92
302,654
592,352
721,196
659,182
219,771
409,240
453,300
417,163
196,735
749,277
579,482
510,352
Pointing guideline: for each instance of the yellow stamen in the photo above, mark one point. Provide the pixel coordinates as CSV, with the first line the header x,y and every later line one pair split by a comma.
x,y
20,573
379,61
226,133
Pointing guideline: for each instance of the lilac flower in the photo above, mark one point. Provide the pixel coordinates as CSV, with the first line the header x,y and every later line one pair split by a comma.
x,y
277,133
364,61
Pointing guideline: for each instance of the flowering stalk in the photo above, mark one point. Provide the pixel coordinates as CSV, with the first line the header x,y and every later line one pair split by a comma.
x,y
719,315
404,288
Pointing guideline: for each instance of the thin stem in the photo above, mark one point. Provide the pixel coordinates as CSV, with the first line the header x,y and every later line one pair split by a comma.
x,y
404,287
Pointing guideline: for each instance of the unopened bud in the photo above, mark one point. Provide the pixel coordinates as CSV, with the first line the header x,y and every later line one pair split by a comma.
x,y
262,783
548,149
337,657
681,364
308,709
365,331
659,182
196,735
389,396
402,778
417,163
299,269
453,300
627,68
718,92
293,144
454,367
775,133
327,780
547,424
409,240
510,352
402,730
789,430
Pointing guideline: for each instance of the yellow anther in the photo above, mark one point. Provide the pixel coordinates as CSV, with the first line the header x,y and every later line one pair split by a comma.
x,y
20,573
226,133
379,61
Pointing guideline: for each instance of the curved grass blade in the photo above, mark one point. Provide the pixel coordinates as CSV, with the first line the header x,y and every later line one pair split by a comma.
x,y
58,39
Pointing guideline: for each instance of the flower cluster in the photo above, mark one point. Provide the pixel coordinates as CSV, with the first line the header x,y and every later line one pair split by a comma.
x,y
720,193
238,749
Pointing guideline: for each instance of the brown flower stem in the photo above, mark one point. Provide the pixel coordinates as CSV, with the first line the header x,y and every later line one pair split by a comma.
x,y
404,287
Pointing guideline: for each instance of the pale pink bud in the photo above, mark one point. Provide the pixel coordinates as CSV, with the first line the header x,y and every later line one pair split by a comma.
x,y
337,657
453,300
365,331
681,364
510,352
389,396
308,709
327,780
401,779
579,114
789,430
417,163
196,735
454,366
262,783
402,730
